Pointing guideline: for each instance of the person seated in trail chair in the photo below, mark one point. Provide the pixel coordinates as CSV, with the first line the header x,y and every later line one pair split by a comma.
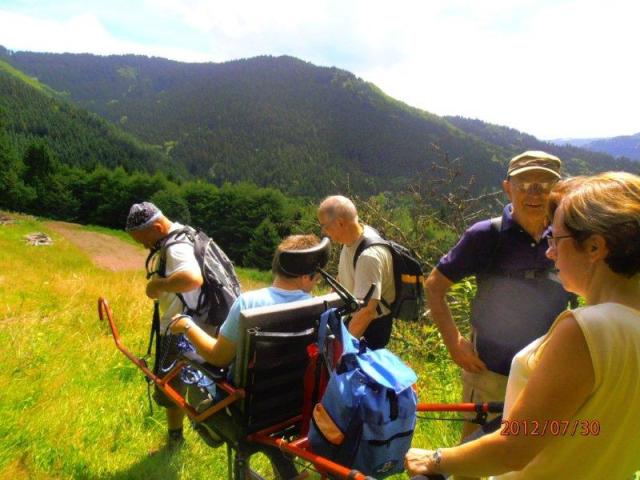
x,y
295,268
291,283
147,225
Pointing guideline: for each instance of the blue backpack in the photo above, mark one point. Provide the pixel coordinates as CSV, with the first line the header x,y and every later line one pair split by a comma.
x,y
367,415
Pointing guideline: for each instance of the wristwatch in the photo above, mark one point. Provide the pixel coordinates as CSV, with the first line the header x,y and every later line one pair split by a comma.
x,y
437,458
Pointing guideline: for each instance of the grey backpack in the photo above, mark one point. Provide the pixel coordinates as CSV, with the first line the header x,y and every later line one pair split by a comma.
x,y
221,286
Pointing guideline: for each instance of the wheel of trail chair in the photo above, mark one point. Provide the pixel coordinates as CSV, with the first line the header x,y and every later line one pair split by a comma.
x,y
282,467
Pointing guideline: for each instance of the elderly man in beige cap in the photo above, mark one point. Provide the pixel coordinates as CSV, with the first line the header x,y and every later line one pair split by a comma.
x,y
518,294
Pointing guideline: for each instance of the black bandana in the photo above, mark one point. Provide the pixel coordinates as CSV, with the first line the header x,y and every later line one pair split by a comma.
x,y
141,215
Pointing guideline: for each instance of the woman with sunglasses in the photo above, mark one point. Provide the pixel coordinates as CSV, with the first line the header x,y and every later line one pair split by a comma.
x,y
571,409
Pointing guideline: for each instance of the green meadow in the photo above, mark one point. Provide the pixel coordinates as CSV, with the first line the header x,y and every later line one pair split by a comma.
x,y
72,406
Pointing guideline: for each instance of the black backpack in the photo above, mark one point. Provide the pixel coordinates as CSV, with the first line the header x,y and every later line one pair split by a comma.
x,y
407,274
221,286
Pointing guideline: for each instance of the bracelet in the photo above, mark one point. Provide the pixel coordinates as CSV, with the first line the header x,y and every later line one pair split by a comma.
x,y
178,318
188,325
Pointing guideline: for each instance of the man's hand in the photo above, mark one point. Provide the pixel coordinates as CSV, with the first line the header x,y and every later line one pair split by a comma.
x,y
361,320
154,287
464,355
178,282
419,462
357,326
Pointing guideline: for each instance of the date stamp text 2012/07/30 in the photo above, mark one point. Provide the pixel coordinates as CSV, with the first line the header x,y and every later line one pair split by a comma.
x,y
555,428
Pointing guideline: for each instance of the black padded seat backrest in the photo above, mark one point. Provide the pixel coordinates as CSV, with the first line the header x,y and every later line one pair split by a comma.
x,y
275,374
272,359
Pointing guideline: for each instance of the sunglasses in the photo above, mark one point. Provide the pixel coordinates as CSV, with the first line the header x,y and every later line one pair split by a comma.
x,y
534,187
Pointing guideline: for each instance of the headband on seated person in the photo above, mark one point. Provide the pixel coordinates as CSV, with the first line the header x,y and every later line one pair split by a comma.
x,y
304,262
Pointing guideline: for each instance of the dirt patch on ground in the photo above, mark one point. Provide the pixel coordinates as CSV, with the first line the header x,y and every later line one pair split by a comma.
x,y
105,251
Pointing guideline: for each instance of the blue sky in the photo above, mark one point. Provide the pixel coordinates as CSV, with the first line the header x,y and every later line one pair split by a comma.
x,y
562,68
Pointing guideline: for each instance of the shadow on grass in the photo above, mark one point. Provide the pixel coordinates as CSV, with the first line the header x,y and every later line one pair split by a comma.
x,y
163,464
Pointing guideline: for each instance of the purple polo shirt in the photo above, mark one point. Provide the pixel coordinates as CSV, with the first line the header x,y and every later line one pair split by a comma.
x,y
518,297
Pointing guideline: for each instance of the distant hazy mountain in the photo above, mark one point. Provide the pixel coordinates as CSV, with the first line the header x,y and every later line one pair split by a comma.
x,y
576,160
576,142
279,122
623,146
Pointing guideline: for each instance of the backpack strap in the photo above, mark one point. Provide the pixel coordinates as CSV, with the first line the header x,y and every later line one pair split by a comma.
x,y
364,244
496,232
179,236
160,248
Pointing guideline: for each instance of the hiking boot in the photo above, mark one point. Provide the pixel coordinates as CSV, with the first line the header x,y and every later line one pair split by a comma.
x,y
173,445
208,435
169,448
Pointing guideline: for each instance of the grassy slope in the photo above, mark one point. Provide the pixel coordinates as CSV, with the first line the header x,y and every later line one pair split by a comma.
x,y
4,66
73,407
31,110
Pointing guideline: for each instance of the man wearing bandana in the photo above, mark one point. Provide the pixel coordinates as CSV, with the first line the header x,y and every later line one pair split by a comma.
x,y
147,225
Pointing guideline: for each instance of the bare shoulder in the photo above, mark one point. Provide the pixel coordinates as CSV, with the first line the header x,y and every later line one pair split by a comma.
x,y
565,353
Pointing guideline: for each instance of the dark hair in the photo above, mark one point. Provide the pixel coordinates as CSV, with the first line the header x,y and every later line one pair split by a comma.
x,y
607,204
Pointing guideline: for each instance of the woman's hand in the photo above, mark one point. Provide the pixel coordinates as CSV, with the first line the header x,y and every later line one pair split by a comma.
x,y
420,462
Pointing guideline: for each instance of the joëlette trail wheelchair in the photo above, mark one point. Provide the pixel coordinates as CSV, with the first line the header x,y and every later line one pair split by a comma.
x,y
258,407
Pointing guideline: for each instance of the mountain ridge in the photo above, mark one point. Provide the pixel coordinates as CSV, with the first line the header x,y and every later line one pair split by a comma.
x,y
278,121
619,146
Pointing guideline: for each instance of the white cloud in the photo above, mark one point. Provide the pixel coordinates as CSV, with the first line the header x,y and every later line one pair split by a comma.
x,y
551,68
567,70
82,33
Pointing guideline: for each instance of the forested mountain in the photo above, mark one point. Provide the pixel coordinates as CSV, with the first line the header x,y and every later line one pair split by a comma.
x,y
622,146
576,160
62,162
281,122
29,111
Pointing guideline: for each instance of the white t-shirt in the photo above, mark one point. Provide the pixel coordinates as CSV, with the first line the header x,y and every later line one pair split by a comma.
x,y
180,257
375,266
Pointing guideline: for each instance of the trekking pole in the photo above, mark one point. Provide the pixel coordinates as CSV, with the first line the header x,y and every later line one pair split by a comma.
x,y
105,311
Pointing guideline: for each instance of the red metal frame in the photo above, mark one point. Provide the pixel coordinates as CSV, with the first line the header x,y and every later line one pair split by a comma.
x,y
456,407
104,311
268,436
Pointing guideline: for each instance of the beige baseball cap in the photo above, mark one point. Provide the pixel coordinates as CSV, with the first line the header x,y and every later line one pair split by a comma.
x,y
534,160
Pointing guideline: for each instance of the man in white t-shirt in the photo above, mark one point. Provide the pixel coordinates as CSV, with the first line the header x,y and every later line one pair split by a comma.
x,y
182,277
338,218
